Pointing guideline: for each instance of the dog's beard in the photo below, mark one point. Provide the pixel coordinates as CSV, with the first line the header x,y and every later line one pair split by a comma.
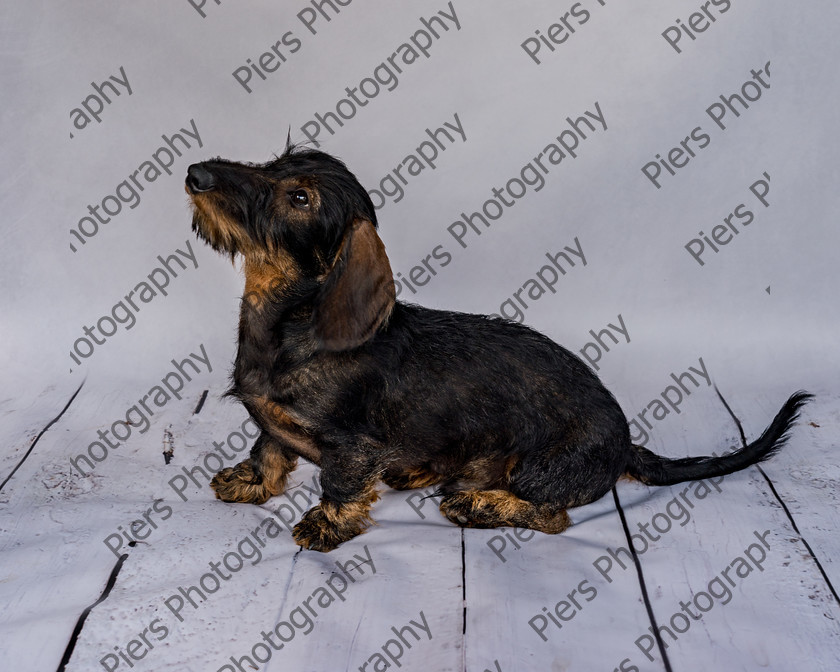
x,y
217,230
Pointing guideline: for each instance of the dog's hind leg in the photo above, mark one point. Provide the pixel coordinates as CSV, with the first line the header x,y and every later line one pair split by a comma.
x,y
501,508
261,476
408,479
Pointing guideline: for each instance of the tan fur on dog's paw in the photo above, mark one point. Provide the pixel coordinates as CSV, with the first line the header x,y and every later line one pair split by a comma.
x,y
317,532
240,484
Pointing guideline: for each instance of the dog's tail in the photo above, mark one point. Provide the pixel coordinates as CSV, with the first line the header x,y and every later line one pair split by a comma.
x,y
652,469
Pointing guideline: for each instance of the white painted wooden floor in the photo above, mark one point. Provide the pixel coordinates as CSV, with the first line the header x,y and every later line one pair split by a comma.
x,y
740,574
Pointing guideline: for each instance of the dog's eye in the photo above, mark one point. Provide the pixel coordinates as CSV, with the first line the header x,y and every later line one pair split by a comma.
x,y
299,198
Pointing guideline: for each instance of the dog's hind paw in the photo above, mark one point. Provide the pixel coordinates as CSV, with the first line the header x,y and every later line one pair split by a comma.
x,y
500,508
241,484
469,509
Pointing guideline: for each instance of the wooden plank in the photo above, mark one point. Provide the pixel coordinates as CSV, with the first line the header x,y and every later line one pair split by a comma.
x,y
412,572
176,553
25,419
736,564
545,605
806,475
55,562
409,614
319,613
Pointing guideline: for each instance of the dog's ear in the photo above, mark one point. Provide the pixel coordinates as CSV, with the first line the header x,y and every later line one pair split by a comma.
x,y
358,294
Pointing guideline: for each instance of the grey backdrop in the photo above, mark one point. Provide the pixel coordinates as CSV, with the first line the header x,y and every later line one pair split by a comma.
x,y
761,312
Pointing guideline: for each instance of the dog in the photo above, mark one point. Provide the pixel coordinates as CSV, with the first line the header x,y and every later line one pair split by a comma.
x,y
510,427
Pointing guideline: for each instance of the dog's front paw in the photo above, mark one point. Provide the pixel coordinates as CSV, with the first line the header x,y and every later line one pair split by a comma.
x,y
240,484
317,532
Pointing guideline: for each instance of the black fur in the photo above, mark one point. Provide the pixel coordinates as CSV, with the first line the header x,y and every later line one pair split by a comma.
x,y
465,402
655,470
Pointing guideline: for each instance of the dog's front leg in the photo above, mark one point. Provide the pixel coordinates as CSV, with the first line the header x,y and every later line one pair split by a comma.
x,y
348,480
261,476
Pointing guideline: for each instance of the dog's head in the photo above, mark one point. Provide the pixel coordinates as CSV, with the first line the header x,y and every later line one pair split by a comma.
x,y
303,223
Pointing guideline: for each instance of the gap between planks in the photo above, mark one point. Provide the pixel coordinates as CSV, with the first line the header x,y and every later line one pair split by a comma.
x,y
40,434
779,499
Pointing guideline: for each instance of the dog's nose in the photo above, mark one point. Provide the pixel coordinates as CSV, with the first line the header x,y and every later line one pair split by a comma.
x,y
200,179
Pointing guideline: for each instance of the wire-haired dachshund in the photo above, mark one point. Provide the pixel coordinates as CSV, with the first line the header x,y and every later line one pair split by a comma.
x,y
511,427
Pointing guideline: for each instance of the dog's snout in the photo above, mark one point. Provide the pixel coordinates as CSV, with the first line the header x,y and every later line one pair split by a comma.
x,y
199,179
